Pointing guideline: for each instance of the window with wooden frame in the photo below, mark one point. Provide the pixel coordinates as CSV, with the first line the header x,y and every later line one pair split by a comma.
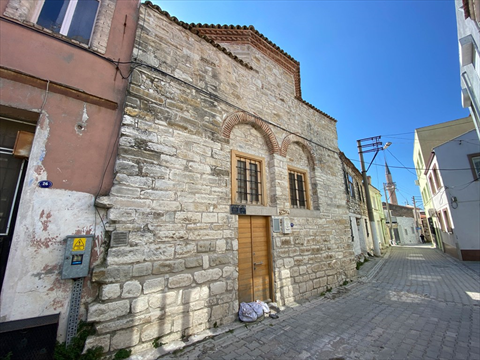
x,y
350,186
298,188
248,179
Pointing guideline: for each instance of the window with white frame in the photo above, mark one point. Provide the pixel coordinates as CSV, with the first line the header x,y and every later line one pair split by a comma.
x,y
448,223
72,18
298,187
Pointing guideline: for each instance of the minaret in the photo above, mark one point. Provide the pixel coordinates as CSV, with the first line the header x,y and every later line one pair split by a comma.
x,y
392,197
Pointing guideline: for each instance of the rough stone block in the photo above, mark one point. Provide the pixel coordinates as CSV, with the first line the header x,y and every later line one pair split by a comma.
x,y
193,262
142,269
180,280
218,288
160,252
155,330
153,285
168,267
206,246
109,311
131,289
125,255
220,311
162,300
125,338
97,341
195,294
207,275
112,274
140,304
185,249
110,291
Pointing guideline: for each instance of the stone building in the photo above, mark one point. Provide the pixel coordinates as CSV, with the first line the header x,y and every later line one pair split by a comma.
x,y
228,187
357,209
61,105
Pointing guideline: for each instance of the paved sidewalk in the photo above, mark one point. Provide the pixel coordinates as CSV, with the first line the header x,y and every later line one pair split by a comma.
x,y
413,303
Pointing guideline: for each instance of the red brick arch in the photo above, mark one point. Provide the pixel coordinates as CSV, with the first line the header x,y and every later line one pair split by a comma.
x,y
292,138
243,118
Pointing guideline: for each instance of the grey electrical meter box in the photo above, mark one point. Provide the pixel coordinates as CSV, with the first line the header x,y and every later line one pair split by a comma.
x,y
76,262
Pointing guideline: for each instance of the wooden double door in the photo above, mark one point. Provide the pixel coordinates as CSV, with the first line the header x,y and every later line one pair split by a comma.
x,y
254,259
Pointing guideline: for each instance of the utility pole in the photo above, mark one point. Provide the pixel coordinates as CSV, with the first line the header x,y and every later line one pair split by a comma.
x,y
389,215
415,216
375,145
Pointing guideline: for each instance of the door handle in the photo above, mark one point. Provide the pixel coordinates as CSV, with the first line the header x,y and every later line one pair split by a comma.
x,y
260,263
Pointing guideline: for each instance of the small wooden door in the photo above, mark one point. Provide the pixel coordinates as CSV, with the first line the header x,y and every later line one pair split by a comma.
x,y
254,271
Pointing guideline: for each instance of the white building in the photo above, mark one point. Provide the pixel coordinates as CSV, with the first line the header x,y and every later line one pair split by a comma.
x,y
453,171
403,224
468,20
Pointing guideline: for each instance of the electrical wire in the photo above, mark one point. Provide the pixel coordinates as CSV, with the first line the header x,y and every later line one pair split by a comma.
x,y
413,168
400,162
218,98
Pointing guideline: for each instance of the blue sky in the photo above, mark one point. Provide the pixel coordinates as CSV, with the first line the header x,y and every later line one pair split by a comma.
x,y
381,68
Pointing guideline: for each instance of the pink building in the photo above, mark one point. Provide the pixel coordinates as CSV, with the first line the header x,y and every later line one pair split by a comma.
x,y
62,92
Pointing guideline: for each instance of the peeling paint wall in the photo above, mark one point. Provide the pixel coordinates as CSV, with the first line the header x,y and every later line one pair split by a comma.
x,y
78,95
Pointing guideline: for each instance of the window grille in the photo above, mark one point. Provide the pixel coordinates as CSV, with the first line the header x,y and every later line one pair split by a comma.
x,y
249,181
298,190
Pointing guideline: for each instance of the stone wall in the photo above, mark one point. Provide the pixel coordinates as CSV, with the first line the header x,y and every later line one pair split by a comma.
x,y
188,107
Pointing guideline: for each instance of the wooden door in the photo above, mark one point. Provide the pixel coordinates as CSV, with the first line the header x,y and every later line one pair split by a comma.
x,y
254,271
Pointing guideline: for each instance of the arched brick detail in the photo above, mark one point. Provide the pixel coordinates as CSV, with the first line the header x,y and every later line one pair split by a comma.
x,y
289,139
243,118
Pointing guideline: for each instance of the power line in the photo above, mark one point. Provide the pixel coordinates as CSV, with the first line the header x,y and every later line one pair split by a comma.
x,y
414,168
400,161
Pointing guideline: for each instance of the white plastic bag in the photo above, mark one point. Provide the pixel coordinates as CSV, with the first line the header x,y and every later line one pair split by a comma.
x,y
247,313
265,307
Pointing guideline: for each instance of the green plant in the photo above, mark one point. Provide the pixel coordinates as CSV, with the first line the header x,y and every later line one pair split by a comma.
x,y
73,351
329,289
122,354
7,356
345,282
215,325
230,331
157,343
322,293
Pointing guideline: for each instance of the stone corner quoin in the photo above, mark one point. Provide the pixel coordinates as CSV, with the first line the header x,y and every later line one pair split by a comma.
x,y
187,112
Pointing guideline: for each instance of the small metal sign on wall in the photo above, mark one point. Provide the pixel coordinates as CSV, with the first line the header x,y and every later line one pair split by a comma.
x,y
238,209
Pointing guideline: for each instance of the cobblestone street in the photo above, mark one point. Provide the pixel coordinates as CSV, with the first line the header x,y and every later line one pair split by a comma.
x,y
414,303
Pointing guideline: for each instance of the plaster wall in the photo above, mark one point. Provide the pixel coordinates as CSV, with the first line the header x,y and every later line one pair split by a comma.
x,y
460,184
78,96
469,76
406,229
